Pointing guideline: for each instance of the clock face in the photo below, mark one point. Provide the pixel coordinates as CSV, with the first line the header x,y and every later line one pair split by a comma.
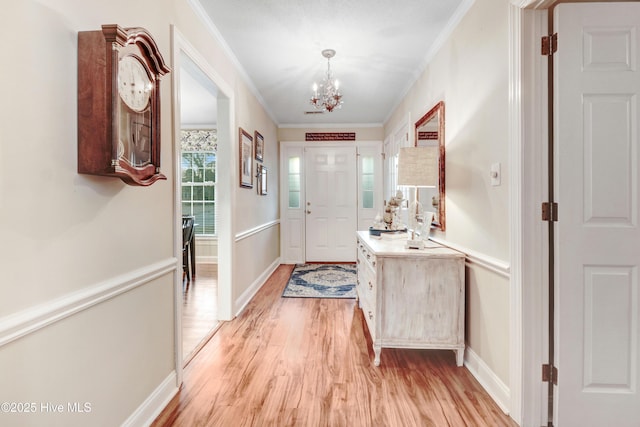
x,y
134,84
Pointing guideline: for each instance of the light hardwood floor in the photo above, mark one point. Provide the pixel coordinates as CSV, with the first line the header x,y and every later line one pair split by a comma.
x,y
199,310
308,362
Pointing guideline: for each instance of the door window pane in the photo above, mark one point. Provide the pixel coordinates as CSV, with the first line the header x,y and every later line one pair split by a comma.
x,y
367,182
294,182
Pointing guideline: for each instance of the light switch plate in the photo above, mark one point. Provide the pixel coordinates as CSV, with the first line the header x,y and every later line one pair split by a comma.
x,y
495,174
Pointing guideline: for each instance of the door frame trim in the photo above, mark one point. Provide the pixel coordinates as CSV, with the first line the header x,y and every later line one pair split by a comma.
x,y
284,229
226,174
528,106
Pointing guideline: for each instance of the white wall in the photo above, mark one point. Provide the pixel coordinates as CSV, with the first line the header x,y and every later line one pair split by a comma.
x,y
255,249
88,263
470,74
69,237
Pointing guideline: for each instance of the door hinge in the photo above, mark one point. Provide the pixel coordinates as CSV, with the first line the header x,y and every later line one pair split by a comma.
x,y
549,211
549,374
549,44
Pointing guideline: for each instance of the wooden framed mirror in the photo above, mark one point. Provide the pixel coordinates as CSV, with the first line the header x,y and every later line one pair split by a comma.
x,y
430,132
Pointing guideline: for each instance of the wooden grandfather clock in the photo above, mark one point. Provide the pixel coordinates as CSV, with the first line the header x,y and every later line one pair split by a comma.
x,y
119,71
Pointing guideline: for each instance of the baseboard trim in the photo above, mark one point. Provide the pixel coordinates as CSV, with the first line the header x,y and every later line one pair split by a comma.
x,y
498,390
247,295
154,404
32,319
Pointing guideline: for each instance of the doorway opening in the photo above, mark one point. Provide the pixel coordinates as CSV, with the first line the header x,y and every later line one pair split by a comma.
x,y
203,153
198,160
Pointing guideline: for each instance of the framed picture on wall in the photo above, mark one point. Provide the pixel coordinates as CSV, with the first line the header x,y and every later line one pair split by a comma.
x,y
246,159
261,174
259,142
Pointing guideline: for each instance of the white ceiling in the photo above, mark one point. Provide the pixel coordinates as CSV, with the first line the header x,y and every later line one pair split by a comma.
x,y
198,103
382,46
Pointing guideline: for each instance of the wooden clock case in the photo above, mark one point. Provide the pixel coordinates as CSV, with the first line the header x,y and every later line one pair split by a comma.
x,y
101,112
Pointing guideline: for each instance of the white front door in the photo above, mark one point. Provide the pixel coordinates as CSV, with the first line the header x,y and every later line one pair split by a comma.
x,y
331,203
597,112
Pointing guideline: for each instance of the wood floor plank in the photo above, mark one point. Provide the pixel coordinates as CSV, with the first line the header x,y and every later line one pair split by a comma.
x,y
199,309
308,362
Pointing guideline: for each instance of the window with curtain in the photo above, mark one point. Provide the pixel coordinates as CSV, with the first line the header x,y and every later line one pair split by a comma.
x,y
198,169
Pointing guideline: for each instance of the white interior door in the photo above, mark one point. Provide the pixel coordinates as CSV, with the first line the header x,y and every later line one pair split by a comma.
x,y
331,203
597,87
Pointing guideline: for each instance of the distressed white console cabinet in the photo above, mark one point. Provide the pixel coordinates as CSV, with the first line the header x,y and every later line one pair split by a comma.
x,y
411,298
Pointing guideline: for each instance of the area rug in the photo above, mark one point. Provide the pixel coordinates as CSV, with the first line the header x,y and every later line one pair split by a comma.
x,y
322,281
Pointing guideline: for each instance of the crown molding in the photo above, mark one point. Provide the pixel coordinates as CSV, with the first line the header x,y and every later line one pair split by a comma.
x,y
444,35
213,30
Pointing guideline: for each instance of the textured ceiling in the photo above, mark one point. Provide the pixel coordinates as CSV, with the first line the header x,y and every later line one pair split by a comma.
x,y
381,48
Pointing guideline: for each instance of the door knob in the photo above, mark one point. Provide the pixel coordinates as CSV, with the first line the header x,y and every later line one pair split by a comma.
x,y
308,212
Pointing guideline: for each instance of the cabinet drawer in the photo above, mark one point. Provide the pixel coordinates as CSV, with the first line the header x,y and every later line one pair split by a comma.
x,y
366,284
366,257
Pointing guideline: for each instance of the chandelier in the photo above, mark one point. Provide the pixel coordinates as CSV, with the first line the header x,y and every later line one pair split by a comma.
x,y
327,97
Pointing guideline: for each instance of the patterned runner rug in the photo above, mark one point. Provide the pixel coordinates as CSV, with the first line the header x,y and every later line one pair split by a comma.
x,y
322,281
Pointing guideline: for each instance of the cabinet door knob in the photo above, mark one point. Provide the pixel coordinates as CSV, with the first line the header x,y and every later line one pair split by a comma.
x,y
308,212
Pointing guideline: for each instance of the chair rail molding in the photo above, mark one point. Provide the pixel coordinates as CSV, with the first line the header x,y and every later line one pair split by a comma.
x,y
25,322
501,268
255,230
